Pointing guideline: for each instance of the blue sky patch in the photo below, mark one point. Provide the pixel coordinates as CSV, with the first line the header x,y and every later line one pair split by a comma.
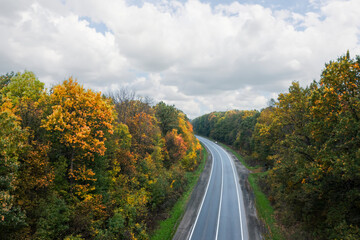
x,y
298,6
99,27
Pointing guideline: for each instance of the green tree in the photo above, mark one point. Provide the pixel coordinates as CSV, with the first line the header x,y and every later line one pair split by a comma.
x,y
23,85
167,116
5,79
12,141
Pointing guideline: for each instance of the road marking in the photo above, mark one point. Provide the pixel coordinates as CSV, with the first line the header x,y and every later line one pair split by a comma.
x,y
221,195
210,144
237,192
202,202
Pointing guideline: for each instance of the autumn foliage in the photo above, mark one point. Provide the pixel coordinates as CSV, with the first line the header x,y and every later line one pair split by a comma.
x,y
75,164
308,140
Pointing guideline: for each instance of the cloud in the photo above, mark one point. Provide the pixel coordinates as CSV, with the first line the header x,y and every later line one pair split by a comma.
x,y
198,56
48,43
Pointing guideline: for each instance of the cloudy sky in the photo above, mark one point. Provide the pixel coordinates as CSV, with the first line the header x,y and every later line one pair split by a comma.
x,y
201,55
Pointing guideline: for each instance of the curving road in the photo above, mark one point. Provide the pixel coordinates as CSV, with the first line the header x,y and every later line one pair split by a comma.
x,y
221,215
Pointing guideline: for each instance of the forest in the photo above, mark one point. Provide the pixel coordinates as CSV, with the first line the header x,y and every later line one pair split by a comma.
x,y
307,143
77,164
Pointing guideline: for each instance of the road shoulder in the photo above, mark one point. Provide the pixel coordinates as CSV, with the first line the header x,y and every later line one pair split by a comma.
x,y
255,226
194,203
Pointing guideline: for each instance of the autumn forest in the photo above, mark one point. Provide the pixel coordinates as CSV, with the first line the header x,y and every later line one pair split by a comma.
x,y
76,164
306,145
79,164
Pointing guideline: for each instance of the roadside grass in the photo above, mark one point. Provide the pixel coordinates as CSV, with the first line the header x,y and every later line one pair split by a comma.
x,y
263,206
167,228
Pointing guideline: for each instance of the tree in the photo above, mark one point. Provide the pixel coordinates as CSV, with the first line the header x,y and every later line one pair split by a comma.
x,y
23,86
25,90
123,99
12,141
265,136
335,130
5,79
73,168
167,116
310,140
34,181
79,120
176,147
316,162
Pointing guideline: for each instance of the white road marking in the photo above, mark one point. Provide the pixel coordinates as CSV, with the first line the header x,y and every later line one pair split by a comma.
x,y
221,195
237,184
202,202
237,192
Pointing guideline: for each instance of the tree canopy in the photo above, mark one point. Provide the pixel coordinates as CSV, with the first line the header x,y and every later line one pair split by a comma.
x,y
75,164
309,140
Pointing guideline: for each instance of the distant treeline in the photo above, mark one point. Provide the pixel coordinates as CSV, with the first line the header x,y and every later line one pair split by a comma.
x,y
309,139
75,164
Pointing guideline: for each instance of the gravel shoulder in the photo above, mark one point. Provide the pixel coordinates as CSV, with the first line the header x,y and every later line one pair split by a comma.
x,y
255,226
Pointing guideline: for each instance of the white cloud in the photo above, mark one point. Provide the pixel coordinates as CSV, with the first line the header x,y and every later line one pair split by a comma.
x,y
198,57
61,45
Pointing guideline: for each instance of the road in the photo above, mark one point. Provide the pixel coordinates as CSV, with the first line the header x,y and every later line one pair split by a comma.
x,y
221,215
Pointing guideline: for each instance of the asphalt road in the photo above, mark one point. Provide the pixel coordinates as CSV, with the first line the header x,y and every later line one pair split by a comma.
x,y
221,215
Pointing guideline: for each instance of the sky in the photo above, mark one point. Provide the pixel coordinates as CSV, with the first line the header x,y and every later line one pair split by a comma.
x,y
200,55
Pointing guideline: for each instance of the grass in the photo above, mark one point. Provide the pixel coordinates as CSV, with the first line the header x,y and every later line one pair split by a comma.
x,y
264,208
167,228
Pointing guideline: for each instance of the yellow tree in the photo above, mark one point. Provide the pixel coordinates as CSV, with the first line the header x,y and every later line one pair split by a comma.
x,y
79,120
78,123
189,162
265,135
